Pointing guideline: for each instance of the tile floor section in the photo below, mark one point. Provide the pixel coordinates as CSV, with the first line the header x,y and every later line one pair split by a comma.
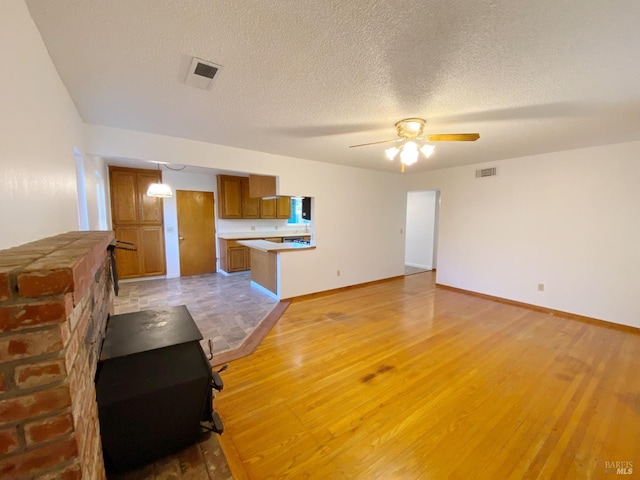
x,y
202,461
225,308
409,270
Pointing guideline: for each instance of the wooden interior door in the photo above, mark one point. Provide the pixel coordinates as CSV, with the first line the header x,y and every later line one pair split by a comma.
x,y
196,232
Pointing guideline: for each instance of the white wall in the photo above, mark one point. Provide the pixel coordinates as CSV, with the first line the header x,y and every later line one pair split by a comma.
x,y
421,217
94,166
180,181
358,214
570,220
39,127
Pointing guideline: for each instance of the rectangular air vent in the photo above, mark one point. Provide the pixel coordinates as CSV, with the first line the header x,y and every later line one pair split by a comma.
x,y
202,73
486,172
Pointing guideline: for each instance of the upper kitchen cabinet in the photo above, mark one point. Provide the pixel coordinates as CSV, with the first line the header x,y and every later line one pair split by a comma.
x,y
149,208
229,196
250,206
124,196
279,207
268,208
129,203
283,207
261,186
236,200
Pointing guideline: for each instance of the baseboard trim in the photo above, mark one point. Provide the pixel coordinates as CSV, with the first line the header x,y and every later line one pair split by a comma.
x,y
254,339
549,311
324,293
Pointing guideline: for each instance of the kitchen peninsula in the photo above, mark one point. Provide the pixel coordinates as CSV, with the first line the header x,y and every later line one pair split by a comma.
x,y
264,261
258,252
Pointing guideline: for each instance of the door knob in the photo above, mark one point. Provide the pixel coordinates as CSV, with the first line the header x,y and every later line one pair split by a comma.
x,y
180,238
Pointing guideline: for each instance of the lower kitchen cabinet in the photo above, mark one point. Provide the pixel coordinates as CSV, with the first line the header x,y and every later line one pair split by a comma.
x,y
239,258
234,257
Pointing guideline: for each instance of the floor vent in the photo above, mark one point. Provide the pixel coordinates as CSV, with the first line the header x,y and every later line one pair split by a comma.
x,y
486,172
201,73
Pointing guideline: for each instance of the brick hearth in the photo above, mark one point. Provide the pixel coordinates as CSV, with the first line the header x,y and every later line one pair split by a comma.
x,y
55,297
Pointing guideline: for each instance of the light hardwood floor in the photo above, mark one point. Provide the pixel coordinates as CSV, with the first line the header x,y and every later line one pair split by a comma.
x,y
404,380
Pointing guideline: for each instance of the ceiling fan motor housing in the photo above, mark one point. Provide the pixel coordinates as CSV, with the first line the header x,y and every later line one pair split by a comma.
x,y
410,127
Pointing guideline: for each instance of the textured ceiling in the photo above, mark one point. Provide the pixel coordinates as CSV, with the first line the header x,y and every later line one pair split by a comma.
x,y
308,78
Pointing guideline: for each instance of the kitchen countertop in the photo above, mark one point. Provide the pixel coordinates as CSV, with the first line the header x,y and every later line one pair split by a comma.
x,y
264,234
267,246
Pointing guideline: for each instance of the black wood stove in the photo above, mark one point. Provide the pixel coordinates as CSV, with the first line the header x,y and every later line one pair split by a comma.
x,y
153,386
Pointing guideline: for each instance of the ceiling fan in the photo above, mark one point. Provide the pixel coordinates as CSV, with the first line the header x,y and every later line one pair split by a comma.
x,y
411,136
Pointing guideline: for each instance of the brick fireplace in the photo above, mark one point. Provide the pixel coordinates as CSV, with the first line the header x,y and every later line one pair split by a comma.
x,y
55,297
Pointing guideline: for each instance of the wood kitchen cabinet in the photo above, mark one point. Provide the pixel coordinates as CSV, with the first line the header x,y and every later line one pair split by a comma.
x,y
250,206
229,196
279,207
267,208
138,219
283,207
234,257
234,201
124,196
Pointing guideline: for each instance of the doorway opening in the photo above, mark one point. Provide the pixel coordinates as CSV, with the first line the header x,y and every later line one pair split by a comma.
x,y
421,239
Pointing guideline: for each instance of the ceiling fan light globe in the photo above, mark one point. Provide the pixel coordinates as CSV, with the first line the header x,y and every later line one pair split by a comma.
x,y
391,153
427,150
409,154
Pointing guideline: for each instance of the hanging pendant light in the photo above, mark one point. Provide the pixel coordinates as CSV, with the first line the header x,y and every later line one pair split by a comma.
x,y
161,190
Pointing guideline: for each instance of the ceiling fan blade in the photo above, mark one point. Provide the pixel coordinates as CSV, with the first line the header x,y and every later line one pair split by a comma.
x,y
373,143
453,137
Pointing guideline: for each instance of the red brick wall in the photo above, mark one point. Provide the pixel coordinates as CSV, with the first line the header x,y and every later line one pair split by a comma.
x,y
55,297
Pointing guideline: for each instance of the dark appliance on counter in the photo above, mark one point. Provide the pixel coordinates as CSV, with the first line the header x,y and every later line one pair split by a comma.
x,y
303,240
153,387
306,208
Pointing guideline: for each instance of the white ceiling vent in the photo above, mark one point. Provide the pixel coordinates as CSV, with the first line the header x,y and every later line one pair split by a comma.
x,y
201,73
486,172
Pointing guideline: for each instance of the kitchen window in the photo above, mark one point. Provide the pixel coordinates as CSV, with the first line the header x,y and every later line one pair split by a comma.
x,y
296,212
